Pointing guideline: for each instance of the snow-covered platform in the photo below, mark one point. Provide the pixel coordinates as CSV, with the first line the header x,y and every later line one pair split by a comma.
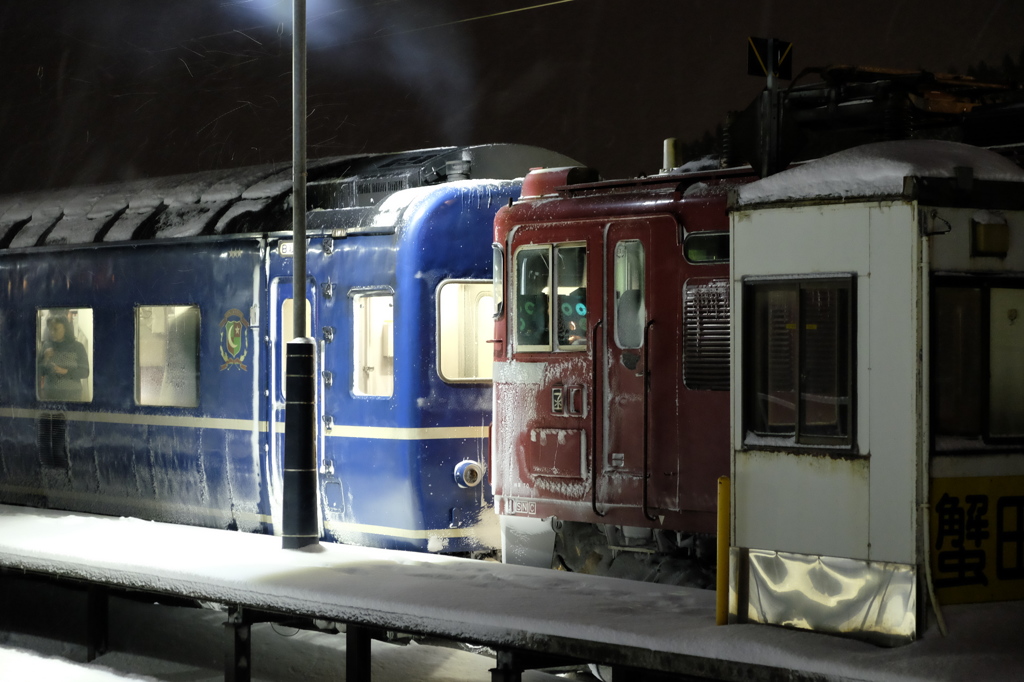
x,y
511,608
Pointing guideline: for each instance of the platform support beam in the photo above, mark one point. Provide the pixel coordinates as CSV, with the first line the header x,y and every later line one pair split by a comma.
x,y
237,647
357,653
97,621
509,668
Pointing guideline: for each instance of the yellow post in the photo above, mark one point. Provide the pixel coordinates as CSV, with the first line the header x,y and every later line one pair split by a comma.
x,y
722,574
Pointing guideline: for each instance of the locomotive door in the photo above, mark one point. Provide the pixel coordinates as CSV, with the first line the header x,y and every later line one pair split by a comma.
x,y
626,346
552,320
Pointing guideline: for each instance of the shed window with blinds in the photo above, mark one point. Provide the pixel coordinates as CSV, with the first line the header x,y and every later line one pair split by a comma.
x,y
798,361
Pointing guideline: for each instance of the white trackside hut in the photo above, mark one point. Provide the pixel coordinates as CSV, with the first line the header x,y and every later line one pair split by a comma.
x,y
878,388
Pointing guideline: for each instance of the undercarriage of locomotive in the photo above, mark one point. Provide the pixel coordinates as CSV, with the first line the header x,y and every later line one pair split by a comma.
x,y
650,555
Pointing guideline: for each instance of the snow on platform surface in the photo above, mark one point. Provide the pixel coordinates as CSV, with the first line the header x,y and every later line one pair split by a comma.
x,y
482,602
877,169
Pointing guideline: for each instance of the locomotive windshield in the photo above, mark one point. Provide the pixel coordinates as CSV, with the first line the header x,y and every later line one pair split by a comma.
x,y
534,317
533,277
571,279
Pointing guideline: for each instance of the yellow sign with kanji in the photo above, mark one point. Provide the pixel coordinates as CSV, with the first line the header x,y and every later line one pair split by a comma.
x,y
977,536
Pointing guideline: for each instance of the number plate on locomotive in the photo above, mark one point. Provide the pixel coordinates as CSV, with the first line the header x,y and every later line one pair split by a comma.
x,y
525,507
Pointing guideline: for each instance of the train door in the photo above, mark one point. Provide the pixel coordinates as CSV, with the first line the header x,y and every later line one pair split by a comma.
x,y
625,398
282,302
626,347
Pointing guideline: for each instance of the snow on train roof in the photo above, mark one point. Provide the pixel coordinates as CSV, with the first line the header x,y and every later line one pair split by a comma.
x,y
185,202
877,170
250,200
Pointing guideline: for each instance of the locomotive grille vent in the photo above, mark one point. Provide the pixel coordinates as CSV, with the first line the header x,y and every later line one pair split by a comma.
x,y
706,342
52,439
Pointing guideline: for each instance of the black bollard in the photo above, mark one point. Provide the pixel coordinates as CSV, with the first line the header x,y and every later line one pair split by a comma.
x,y
300,527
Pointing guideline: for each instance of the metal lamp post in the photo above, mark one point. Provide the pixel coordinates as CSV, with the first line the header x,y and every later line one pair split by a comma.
x,y
300,523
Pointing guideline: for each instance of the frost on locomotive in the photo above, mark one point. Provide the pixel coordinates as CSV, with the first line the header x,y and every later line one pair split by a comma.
x,y
611,371
161,394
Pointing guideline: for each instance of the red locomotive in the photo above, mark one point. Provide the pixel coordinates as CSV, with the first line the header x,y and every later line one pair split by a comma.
x,y
612,316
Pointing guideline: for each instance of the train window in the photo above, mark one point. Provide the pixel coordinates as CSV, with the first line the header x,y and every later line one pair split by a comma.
x,y
1006,364
956,351
973,398
630,307
706,247
532,314
167,355
64,339
799,359
706,337
373,343
571,285
465,322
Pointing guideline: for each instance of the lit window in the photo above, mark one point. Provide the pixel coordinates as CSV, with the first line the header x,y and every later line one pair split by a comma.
x,y
706,247
374,344
167,355
465,322
64,339
971,398
799,359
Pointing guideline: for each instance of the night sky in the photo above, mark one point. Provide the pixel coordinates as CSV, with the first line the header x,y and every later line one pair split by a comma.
x,y
96,91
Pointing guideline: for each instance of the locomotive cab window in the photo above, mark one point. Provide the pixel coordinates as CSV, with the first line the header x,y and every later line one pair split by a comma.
x,y
531,312
571,284
465,322
64,341
978,362
706,247
799,350
535,314
167,355
373,343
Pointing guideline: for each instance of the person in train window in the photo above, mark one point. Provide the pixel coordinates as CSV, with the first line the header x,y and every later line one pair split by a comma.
x,y
63,362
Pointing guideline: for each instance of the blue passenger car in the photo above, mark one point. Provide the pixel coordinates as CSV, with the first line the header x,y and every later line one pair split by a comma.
x,y
160,309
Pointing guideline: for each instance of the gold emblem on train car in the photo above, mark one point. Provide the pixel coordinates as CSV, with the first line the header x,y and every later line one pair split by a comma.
x,y
234,342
